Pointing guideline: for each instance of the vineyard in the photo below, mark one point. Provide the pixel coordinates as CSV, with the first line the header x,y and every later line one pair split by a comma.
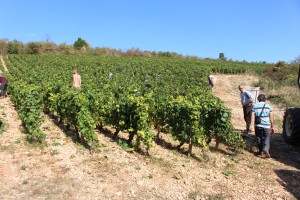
x,y
127,107
128,94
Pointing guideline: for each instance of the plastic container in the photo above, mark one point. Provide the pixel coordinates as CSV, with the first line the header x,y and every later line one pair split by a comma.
x,y
255,92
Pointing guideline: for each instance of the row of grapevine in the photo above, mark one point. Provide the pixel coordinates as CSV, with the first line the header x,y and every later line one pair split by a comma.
x,y
28,101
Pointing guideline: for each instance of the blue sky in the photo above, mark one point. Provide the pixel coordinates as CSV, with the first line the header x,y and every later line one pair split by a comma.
x,y
254,31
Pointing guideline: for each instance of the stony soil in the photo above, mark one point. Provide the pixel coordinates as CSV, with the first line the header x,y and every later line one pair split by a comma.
x,y
64,169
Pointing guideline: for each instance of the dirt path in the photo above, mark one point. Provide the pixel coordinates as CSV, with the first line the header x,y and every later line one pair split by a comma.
x,y
3,64
62,169
227,90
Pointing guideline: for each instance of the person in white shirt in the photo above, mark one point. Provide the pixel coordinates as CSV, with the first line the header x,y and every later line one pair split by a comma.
x,y
212,80
246,101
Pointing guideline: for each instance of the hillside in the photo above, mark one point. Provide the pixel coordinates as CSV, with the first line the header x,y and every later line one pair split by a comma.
x,y
62,169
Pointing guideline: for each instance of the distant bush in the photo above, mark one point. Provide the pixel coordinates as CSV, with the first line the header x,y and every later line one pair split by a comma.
x,y
279,81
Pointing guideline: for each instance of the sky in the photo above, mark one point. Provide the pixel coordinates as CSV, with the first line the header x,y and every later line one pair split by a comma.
x,y
252,31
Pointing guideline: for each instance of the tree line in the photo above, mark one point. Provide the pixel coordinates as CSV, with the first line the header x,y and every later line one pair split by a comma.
x,y
80,46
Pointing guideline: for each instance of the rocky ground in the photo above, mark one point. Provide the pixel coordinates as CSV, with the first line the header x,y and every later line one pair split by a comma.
x,y
64,169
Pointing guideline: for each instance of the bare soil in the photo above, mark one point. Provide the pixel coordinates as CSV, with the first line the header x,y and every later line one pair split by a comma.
x,y
64,169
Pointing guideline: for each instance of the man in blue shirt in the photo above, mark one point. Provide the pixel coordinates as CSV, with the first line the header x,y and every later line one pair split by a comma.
x,y
246,101
264,126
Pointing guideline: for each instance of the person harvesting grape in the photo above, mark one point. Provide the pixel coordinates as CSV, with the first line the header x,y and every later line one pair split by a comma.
x,y
4,83
76,79
212,80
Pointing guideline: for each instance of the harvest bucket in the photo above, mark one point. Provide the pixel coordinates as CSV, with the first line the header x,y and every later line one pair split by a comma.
x,y
255,92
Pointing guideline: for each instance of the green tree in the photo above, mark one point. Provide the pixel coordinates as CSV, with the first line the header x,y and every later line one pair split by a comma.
x,y
80,43
34,47
280,64
14,47
222,56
